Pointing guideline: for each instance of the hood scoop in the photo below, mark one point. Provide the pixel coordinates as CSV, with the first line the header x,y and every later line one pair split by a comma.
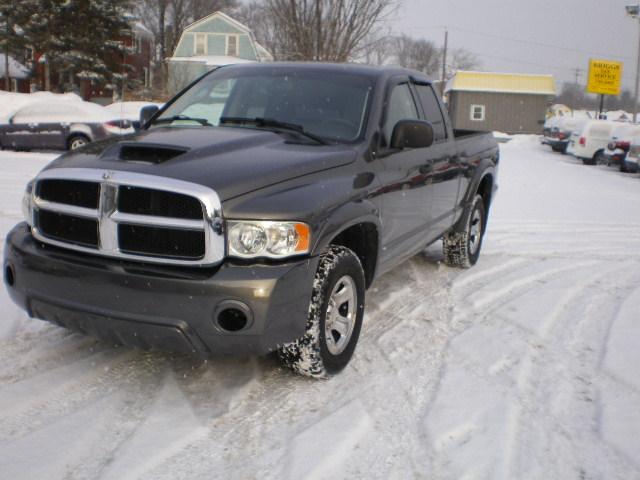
x,y
146,153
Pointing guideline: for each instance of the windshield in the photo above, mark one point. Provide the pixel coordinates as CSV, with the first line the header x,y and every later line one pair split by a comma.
x,y
332,107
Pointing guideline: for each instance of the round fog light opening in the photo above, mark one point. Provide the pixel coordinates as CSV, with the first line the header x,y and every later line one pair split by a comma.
x,y
9,276
232,319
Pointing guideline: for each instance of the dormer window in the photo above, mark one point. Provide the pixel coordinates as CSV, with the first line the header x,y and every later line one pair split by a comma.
x,y
232,45
201,44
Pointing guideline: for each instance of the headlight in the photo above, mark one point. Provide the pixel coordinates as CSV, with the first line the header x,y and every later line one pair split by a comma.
x,y
268,239
26,203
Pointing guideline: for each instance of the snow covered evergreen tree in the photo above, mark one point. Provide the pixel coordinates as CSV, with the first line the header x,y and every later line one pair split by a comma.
x,y
13,42
80,39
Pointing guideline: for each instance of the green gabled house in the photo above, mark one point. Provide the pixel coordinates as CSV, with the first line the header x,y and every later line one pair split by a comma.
x,y
209,43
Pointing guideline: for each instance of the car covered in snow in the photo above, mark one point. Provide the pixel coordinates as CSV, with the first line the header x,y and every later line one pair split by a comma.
x,y
252,213
589,143
62,125
631,161
559,135
618,146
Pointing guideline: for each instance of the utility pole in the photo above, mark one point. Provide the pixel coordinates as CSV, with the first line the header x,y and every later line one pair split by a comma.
x,y
577,72
637,85
633,11
444,62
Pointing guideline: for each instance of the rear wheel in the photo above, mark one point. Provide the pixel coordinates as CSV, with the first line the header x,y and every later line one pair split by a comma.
x,y
595,160
77,141
334,320
461,247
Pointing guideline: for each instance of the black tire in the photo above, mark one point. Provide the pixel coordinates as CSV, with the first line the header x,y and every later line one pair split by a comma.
x,y
557,149
310,355
462,246
594,160
77,141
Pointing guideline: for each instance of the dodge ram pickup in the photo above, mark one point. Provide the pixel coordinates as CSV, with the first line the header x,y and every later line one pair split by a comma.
x,y
252,212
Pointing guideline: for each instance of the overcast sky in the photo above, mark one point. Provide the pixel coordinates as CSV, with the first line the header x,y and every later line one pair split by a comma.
x,y
529,36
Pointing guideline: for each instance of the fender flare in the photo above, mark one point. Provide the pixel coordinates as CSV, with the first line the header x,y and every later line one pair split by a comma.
x,y
343,218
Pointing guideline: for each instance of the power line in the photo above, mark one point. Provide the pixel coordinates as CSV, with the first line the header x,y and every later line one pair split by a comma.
x,y
527,42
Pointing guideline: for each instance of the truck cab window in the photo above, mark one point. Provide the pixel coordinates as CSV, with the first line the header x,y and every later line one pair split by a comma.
x,y
401,107
432,111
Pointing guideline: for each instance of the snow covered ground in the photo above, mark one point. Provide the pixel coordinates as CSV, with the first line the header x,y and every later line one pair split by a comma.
x,y
525,367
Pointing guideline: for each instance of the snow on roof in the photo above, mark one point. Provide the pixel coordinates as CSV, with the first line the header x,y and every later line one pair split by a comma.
x,y
502,83
11,102
263,54
16,69
212,60
224,16
139,28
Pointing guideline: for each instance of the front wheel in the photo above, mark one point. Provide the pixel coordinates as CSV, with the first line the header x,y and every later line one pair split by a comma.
x,y
461,246
334,320
77,141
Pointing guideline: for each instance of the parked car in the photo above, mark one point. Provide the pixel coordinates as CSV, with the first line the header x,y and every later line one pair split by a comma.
x,y
631,162
619,144
559,135
51,124
262,233
130,111
550,125
589,143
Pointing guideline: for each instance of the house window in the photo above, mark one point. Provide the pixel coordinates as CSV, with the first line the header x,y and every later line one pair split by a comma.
x,y
232,45
201,44
477,113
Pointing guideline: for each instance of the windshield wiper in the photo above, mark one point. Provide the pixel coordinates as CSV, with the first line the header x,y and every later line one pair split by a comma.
x,y
271,122
202,121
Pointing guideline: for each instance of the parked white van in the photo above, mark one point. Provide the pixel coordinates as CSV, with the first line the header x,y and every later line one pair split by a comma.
x,y
590,143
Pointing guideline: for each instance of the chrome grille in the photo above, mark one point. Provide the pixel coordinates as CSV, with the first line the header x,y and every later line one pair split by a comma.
x,y
129,216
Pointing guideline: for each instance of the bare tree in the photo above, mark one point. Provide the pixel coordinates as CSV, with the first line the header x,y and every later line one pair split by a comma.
x,y
377,49
421,55
462,59
324,30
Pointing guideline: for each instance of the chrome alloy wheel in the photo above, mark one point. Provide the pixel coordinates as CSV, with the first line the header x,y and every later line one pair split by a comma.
x,y
78,142
341,315
475,231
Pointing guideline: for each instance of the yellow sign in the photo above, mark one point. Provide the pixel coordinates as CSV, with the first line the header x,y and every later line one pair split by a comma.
x,y
604,77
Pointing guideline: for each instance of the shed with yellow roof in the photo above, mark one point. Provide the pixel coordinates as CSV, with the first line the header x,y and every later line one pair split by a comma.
x,y
505,102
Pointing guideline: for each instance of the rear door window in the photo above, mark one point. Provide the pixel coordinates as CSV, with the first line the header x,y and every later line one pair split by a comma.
x,y
432,111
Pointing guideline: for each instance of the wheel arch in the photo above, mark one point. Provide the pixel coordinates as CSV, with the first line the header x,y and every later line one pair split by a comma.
x,y
358,228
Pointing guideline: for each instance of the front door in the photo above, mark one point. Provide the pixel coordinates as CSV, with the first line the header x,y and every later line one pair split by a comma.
x,y
405,181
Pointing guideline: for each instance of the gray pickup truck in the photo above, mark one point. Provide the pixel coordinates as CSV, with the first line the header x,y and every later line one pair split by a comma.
x,y
252,213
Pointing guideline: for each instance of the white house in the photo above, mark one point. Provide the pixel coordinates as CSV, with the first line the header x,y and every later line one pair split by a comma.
x,y
209,43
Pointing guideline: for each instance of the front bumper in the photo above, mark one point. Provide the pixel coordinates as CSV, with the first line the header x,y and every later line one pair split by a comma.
x,y
154,307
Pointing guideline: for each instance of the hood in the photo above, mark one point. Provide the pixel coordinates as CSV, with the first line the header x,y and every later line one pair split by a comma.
x,y
232,161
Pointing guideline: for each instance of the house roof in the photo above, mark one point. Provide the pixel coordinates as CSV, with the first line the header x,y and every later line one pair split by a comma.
x,y
502,83
226,17
16,69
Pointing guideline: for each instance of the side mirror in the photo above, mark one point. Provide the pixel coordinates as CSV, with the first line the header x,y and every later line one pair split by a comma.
x,y
412,134
147,114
